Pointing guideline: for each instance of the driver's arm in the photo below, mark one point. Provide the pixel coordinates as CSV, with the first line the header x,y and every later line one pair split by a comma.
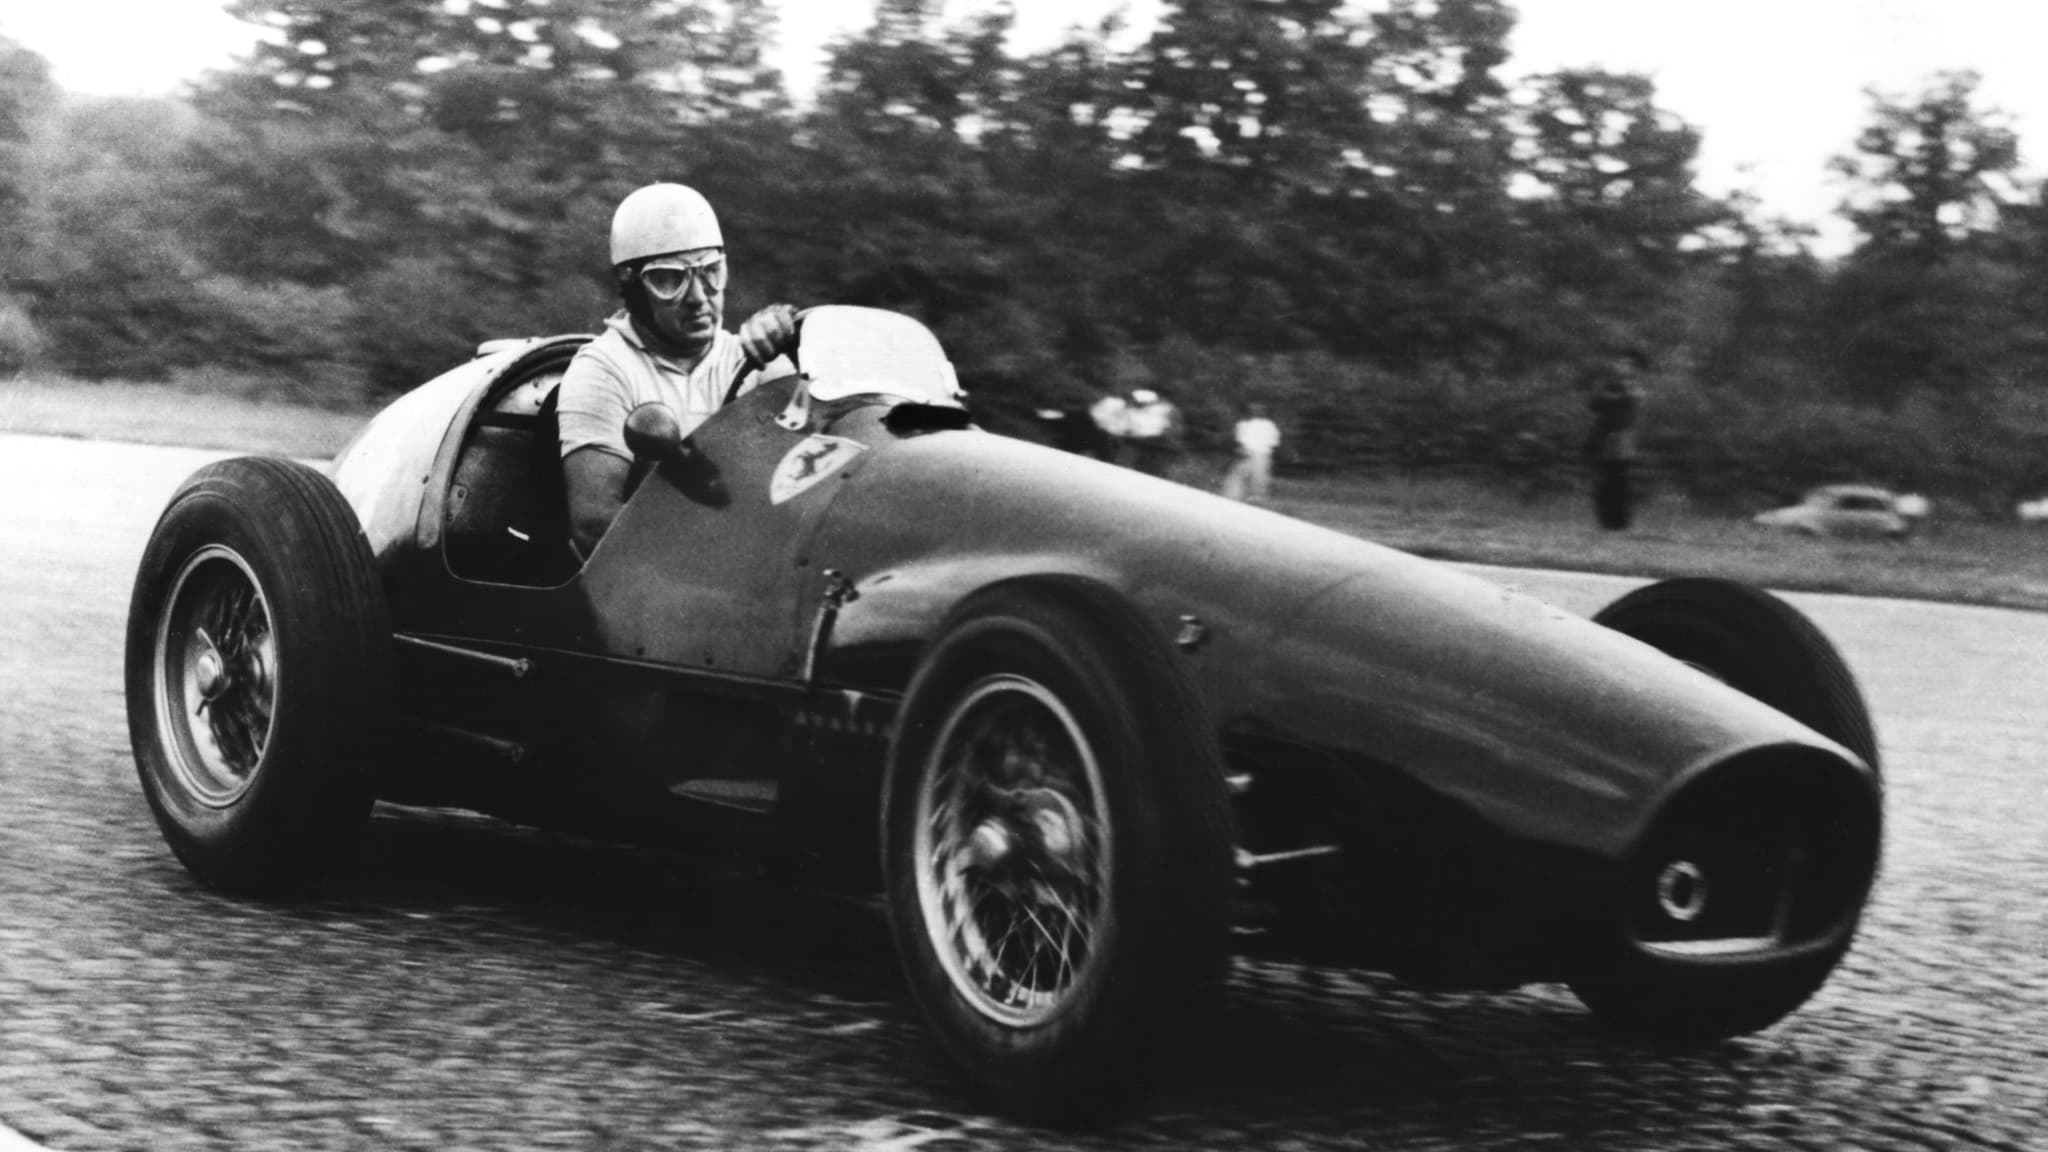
x,y
597,490
593,400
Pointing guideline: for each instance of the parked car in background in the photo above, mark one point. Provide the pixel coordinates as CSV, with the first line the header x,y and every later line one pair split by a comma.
x,y
2033,511
1842,510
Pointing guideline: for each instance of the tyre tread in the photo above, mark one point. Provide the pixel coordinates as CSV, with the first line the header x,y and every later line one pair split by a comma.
x,y
1833,705
333,615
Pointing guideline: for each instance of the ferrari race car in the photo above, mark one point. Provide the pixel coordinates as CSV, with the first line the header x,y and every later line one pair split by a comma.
x,y
1083,731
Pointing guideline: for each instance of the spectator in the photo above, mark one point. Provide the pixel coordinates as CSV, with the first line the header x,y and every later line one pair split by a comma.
x,y
1913,509
1112,416
1615,403
1251,475
1153,432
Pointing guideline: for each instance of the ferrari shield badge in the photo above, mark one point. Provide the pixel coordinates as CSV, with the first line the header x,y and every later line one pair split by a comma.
x,y
812,460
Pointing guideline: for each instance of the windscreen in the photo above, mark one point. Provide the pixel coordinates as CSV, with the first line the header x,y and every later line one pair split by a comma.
x,y
849,351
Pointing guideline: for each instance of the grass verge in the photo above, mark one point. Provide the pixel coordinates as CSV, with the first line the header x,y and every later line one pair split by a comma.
x,y
1961,561
1965,562
179,415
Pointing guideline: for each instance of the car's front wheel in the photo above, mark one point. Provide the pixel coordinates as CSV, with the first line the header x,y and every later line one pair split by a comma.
x,y
1762,646
1057,846
258,674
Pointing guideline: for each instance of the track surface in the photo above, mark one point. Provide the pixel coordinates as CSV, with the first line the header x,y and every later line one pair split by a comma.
x,y
466,986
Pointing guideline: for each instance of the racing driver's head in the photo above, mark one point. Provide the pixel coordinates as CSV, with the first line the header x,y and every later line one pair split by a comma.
x,y
669,258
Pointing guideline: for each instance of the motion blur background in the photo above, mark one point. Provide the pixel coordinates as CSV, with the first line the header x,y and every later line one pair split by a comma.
x,y
1365,216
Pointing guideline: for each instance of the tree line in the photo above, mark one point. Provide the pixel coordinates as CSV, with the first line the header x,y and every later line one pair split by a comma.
x,y
1346,213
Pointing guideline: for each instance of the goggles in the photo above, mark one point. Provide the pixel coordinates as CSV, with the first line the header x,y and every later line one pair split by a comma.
x,y
669,280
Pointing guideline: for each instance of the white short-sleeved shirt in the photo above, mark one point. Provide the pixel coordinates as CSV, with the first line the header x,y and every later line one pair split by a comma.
x,y
1258,435
1112,415
615,373
1150,420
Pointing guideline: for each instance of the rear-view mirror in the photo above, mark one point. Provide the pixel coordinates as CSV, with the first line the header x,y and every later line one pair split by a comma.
x,y
653,433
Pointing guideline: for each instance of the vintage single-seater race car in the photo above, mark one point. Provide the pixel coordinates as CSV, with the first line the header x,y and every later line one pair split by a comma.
x,y
1083,731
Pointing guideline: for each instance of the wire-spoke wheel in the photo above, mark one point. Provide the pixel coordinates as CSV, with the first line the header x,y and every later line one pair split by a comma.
x,y
258,674
215,677
1016,849
1056,846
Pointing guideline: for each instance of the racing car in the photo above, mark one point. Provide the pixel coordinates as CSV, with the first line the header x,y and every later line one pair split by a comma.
x,y
1083,733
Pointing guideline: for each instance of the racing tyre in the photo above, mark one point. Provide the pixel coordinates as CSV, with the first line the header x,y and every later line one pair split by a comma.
x,y
1764,647
258,674
1057,847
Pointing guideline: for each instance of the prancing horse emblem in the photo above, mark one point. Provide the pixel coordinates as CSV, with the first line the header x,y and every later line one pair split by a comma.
x,y
812,460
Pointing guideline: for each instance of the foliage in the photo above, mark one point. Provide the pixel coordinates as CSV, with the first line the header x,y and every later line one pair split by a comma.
x,y
1609,188
26,94
1930,170
1342,210
1925,303
21,342
105,265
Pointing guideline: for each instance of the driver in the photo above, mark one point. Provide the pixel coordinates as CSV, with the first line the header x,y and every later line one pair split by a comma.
x,y
667,345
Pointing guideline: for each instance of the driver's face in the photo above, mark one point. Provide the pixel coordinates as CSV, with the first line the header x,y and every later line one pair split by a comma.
x,y
689,321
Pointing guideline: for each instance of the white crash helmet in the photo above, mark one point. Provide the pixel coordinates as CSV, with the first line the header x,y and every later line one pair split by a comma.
x,y
663,218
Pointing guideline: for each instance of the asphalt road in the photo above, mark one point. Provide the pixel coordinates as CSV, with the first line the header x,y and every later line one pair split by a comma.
x,y
466,986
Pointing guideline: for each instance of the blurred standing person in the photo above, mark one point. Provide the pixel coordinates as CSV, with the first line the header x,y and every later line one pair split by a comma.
x,y
1154,433
1616,403
1251,475
1913,508
1112,417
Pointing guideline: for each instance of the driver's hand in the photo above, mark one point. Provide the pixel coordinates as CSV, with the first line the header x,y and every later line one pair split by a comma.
x,y
769,333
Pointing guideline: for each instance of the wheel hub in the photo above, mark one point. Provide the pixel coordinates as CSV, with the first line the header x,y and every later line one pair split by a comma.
x,y
259,667
1057,825
1016,883
991,844
211,673
215,682
1041,826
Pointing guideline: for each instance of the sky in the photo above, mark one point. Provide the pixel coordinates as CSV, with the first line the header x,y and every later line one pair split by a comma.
x,y
1776,87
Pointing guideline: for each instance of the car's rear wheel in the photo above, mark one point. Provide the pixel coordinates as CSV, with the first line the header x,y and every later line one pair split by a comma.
x,y
1057,847
1763,647
258,674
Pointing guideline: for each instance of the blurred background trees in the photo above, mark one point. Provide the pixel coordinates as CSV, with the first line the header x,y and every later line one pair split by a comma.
x,y
1342,211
